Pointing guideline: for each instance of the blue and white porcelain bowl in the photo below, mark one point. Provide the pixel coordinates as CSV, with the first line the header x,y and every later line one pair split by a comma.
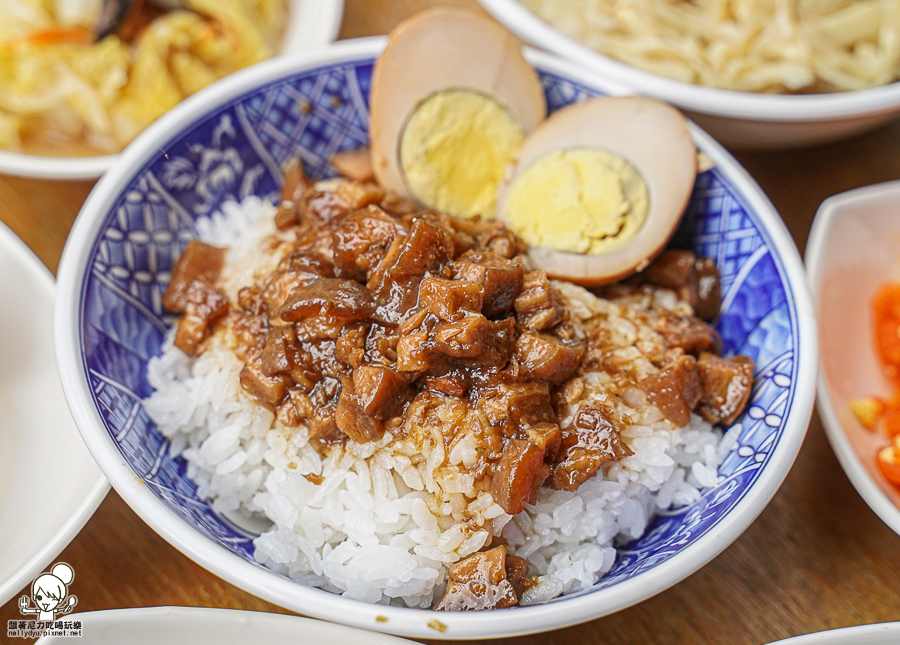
x,y
229,142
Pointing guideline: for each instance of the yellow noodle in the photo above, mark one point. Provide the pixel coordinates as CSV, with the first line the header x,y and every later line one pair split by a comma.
x,y
749,45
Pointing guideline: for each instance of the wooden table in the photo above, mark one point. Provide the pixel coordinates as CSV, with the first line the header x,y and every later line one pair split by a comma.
x,y
816,558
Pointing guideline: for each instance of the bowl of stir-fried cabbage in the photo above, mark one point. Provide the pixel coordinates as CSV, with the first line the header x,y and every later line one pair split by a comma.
x,y
754,75
79,79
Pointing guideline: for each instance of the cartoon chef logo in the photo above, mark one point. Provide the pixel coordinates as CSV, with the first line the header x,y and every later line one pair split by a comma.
x,y
50,594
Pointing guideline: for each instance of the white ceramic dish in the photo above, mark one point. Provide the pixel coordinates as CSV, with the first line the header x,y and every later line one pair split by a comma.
x,y
737,119
92,299
190,626
880,634
853,248
311,24
49,483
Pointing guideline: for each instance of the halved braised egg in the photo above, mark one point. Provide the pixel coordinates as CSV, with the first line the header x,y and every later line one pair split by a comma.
x,y
598,189
452,100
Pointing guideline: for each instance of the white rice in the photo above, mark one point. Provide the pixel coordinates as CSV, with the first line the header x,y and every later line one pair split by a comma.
x,y
387,519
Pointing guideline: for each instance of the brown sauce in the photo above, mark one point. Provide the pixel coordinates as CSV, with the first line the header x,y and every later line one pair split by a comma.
x,y
383,319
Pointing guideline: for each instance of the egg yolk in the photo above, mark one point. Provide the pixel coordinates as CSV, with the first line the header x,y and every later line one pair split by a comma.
x,y
578,200
454,149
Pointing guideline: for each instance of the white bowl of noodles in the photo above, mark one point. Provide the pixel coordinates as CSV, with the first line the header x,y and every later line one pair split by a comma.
x,y
853,52
305,25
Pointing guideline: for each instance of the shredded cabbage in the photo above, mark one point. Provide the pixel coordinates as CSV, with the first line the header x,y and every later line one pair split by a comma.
x,y
62,94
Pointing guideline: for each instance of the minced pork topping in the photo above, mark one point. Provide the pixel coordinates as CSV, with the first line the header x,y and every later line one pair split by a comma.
x,y
378,318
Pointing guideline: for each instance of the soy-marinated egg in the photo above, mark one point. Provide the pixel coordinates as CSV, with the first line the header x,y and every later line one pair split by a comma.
x,y
598,189
452,101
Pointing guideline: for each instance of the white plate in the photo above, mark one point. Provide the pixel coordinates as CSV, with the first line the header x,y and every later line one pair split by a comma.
x,y
189,626
853,248
311,24
881,634
49,483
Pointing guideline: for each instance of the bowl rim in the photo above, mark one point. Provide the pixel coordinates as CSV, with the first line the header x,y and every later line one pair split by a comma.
x,y
752,106
322,604
326,16
831,210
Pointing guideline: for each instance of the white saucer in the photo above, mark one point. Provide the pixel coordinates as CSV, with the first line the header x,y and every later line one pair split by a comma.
x,y
188,626
880,634
854,248
49,483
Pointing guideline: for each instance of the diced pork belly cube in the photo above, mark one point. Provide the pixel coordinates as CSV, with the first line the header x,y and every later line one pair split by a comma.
x,y
671,269
354,164
695,280
203,304
518,475
394,296
308,408
689,334
281,285
276,352
329,202
268,390
547,437
374,395
469,341
426,249
517,573
413,352
447,298
343,300
675,390
477,341
588,443
449,384
356,194
494,237
513,407
395,281
547,357
709,289
199,261
295,183
726,387
310,262
500,277
361,241
462,231
350,346
538,306
479,582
